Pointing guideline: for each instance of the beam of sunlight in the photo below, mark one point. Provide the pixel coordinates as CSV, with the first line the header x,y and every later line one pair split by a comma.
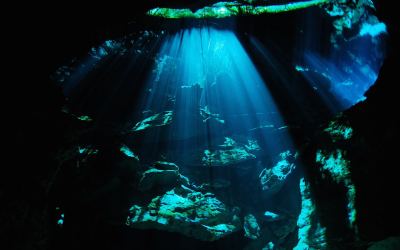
x,y
220,104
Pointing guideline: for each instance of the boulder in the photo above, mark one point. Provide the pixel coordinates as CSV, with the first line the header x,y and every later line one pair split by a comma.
x,y
270,246
270,216
310,232
157,120
272,179
162,179
163,165
251,227
128,152
183,210
230,152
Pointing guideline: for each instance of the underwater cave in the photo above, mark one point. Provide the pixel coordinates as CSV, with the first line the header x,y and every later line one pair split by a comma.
x,y
249,124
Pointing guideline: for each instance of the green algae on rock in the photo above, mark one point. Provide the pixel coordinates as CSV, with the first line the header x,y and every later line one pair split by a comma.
x,y
183,210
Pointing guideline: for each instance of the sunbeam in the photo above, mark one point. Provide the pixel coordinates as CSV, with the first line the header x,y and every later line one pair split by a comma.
x,y
208,83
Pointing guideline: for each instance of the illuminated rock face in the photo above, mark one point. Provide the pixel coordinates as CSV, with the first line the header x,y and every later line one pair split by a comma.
x,y
157,120
230,153
179,207
311,235
183,210
339,131
335,165
225,157
270,216
164,175
128,152
331,171
350,13
273,179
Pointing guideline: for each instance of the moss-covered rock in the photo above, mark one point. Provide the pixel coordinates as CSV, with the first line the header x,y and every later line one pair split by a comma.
x,y
183,210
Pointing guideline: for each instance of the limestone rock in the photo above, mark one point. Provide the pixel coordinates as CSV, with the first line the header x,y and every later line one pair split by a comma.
x,y
163,165
165,179
226,157
183,210
310,233
252,146
339,131
128,152
270,216
251,227
230,153
272,179
157,120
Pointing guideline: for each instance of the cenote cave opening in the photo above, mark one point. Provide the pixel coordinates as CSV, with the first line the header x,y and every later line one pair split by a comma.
x,y
196,129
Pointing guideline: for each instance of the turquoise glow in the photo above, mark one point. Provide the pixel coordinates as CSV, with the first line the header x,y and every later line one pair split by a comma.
x,y
86,151
60,221
339,131
271,215
337,167
372,29
188,212
222,10
157,120
85,118
206,79
335,163
311,234
128,152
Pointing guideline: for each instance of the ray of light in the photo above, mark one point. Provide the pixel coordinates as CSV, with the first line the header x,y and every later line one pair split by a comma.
x,y
205,77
